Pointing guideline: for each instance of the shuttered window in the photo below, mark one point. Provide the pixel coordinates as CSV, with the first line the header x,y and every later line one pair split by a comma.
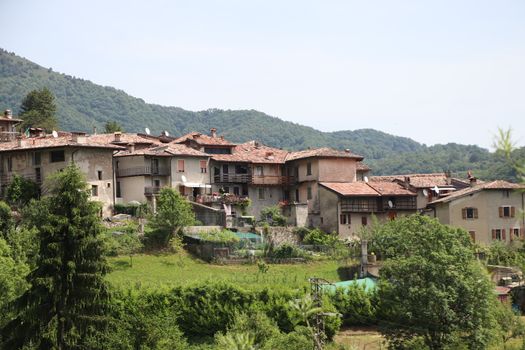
x,y
204,167
507,212
180,165
469,213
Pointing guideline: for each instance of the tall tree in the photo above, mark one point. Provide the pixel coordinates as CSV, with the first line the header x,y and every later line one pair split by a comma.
x,y
112,127
38,110
431,286
68,297
173,213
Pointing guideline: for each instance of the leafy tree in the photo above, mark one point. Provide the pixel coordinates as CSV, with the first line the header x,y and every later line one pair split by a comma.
x,y
68,297
38,110
12,279
173,213
273,216
431,286
112,126
6,219
21,190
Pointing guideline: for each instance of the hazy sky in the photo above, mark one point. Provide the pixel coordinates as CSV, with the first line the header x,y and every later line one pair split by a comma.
x,y
435,71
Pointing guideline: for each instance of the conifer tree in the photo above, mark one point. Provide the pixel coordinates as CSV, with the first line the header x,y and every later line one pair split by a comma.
x,y
68,297
38,110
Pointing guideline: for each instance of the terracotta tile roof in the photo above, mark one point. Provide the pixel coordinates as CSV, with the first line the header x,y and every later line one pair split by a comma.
x,y
126,138
493,185
203,139
421,180
388,188
253,152
351,188
49,141
322,152
362,167
2,118
164,151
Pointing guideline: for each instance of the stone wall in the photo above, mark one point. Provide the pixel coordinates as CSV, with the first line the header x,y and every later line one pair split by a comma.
x,y
279,235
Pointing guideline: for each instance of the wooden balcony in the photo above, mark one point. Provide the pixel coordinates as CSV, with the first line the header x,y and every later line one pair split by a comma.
x,y
6,179
263,180
143,170
6,136
227,199
151,190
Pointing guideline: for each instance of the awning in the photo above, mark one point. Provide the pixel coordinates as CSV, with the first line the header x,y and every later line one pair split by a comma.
x,y
195,184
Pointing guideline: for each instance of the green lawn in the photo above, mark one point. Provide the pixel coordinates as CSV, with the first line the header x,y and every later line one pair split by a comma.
x,y
182,269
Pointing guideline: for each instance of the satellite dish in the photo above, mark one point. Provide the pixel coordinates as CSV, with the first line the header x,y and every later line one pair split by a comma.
x,y
54,133
147,131
166,133
390,204
425,192
436,189
366,179
183,178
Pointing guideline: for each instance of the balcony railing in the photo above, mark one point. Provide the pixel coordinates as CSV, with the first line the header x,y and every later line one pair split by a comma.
x,y
6,136
143,170
151,190
254,179
7,178
228,199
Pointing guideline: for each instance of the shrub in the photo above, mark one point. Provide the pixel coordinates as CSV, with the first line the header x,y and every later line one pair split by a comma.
x,y
220,236
286,251
355,305
136,210
272,216
21,190
319,237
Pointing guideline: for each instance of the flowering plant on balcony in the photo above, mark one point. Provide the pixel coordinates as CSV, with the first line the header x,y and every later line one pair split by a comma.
x,y
284,203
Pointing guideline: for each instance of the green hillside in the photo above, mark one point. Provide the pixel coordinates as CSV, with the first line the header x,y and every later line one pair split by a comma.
x,y
83,105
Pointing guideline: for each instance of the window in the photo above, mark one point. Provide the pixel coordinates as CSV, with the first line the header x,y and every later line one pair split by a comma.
x,y
498,234
180,165
472,235
108,185
204,166
364,221
38,175
236,191
297,195
259,170
507,212
10,163
57,156
309,193
308,168
226,189
262,193
225,168
99,174
321,219
182,190
516,233
94,190
156,183
118,190
37,158
469,213
344,219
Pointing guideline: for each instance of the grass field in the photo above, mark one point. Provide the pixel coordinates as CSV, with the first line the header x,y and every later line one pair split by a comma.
x,y
182,269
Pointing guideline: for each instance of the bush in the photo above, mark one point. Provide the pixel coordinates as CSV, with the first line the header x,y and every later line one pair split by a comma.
x,y
319,237
135,210
21,190
286,251
220,236
123,240
272,216
355,305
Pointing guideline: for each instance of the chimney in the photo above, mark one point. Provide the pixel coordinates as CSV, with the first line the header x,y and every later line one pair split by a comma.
x,y
20,141
473,181
347,150
213,132
117,135
78,137
256,143
448,177
94,130
406,183
8,114
131,147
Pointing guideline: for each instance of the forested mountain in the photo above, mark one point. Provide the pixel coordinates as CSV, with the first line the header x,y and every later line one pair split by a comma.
x,y
83,105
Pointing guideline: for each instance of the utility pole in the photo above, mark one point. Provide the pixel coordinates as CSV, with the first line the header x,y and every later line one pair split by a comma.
x,y
319,336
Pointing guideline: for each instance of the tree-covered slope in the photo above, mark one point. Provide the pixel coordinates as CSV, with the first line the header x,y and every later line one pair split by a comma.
x,y
82,105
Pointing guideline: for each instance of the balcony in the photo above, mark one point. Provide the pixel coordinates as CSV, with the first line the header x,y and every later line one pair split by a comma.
x,y
6,179
6,136
264,180
227,199
151,190
232,178
272,180
143,170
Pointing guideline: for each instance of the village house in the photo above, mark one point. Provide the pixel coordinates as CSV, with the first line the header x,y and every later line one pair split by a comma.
x,y
489,211
8,126
41,155
348,207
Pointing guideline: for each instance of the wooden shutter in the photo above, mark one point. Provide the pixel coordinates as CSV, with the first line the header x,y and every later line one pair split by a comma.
x,y
180,165
464,213
500,212
493,234
475,213
512,212
503,238
511,234
522,233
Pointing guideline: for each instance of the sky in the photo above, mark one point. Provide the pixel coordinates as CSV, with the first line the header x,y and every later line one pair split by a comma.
x,y
434,71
